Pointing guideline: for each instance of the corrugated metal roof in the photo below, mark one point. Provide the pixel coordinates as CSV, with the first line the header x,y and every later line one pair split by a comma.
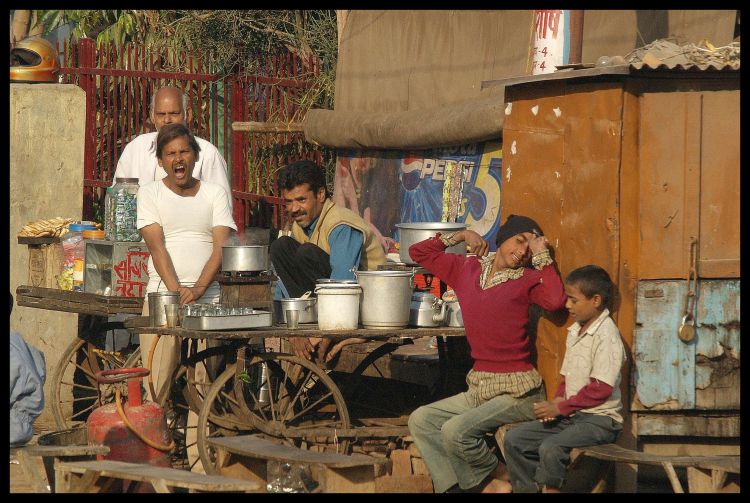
x,y
688,67
634,69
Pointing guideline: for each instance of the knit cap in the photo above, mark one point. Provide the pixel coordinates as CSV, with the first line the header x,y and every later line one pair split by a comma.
x,y
517,224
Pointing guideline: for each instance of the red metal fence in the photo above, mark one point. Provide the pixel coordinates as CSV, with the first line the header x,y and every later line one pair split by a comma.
x,y
120,80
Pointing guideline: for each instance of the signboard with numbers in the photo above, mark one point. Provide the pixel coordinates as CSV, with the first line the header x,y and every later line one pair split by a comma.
x,y
551,46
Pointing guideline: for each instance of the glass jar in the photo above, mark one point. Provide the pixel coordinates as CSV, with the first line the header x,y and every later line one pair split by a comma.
x,y
74,250
120,211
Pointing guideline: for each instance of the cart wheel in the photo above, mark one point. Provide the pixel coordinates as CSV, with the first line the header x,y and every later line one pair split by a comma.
x,y
74,393
202,367
285,396
220,416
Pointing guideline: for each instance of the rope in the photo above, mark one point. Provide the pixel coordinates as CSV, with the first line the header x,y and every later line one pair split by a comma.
x,y
137,433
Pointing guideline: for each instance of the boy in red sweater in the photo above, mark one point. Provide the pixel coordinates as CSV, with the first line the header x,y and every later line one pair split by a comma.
x,y
495,292
586,408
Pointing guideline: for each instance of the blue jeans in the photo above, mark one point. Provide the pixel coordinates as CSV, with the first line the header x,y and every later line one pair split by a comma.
x,y
538,454
450,435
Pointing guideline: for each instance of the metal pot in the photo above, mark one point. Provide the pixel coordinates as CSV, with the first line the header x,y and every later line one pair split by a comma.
x,y
250,258
386,298
308,309
410,233
156,302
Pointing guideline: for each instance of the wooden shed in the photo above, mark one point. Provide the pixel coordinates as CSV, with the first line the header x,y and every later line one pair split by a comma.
x,y
637,169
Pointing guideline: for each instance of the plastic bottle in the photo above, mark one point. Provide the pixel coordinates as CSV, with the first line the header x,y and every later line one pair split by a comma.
x,y
74,250
120,211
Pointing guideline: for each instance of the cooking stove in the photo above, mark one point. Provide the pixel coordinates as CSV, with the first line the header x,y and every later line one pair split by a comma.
x,y
423,279
246,289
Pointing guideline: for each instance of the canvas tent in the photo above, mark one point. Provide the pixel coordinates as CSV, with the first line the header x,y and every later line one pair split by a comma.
x,y
413,78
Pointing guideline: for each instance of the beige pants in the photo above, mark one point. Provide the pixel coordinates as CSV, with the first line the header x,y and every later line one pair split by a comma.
x,y
165,361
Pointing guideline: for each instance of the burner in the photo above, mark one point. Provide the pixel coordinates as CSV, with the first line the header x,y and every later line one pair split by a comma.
x,y
234,277
242,274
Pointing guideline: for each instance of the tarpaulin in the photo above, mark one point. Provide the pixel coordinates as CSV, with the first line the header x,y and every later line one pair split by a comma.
x,y
468,121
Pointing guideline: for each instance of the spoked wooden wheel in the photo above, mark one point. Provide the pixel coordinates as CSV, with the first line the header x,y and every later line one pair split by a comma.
x,y
293,399
190,383
220,416
74,392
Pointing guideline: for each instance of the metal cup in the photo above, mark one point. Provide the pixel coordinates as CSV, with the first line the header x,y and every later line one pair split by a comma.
x,y
172,311
292,319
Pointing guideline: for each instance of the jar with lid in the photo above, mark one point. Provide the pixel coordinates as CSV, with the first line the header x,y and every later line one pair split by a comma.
x,y
74,249
120,211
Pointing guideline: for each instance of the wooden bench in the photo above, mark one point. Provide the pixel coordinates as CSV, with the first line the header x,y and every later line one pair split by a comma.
x,y
718,466
45,482
247,456
99,476
705,473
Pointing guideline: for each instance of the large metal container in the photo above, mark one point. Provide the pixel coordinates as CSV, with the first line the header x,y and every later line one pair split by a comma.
x,y
308,309
156,303
386,298
410,233
250,258
338,305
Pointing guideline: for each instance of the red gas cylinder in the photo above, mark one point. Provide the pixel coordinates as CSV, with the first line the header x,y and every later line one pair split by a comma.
x,y
147,420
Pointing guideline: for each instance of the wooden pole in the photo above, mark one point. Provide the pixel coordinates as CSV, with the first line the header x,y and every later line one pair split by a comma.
x,y
268,127
576,37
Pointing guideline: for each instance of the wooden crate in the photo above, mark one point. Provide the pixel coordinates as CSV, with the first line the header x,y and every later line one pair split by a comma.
x,y
45,261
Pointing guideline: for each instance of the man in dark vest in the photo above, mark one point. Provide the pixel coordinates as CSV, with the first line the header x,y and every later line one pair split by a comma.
x,y
325,241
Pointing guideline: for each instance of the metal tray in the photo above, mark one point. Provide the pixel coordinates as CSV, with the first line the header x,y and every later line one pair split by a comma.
x,y
234,322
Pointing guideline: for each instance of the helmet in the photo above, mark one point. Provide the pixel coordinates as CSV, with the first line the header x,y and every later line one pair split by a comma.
x,y
34,59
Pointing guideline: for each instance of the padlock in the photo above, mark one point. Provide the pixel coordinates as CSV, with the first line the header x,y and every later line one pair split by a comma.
x,y
686,331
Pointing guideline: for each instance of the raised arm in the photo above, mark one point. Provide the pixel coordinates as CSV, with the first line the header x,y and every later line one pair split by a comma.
x,y
431,255
549,293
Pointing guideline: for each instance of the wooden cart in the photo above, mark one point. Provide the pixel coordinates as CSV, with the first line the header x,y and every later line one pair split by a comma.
x,y
317,406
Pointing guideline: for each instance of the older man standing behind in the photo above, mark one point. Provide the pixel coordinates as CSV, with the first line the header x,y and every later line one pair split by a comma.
x,y
138,160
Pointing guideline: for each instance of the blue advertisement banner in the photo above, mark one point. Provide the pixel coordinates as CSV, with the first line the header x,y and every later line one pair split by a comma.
x,y
390,187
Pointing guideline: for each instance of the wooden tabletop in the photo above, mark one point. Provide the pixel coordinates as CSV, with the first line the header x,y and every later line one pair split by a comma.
x,y
139,325
68,301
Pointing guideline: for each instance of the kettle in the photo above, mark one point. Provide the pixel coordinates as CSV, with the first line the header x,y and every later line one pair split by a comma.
x,y
450,311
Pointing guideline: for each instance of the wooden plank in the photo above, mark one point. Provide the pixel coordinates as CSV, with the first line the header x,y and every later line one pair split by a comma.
x,y
719,243
147,473
418,483
76,302
267,127
705,425
401,460
65,450
386,334
613,452
28,240
256,447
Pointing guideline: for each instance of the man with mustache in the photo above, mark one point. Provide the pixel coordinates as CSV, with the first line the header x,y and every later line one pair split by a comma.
x,y
325,241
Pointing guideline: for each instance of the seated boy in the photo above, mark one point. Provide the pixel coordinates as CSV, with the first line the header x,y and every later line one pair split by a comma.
x,y
586,408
